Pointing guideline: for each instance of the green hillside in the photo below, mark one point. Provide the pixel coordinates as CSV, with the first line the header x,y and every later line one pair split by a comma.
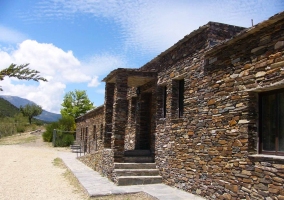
x,y
7,109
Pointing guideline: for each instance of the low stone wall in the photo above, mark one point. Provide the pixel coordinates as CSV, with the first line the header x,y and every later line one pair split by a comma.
x,y
100,161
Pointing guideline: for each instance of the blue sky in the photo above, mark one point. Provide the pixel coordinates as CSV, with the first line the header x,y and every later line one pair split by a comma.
x,y
76,43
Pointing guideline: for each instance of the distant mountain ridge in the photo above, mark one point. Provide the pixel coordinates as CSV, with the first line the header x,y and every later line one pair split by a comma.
x,y
18,101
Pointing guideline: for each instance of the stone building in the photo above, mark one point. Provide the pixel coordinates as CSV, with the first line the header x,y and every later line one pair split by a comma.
x,y
207,113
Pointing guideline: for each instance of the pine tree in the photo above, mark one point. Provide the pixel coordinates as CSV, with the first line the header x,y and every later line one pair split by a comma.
x,y
21,72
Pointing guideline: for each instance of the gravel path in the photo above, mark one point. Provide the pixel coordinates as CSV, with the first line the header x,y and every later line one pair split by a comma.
x,y
27,172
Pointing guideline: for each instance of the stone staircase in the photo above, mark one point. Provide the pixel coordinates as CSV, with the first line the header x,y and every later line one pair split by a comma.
x,y
76,148
138,169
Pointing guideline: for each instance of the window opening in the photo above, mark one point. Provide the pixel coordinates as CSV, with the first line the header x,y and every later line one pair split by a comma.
x,y
271,106
164,102
180,97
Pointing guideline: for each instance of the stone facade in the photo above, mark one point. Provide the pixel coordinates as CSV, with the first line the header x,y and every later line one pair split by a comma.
x,y
196,107
90,133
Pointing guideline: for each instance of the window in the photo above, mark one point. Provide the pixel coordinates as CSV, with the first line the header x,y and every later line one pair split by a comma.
x,y
86,134
95,137
94,132
272,122
164,102
180,97
102,128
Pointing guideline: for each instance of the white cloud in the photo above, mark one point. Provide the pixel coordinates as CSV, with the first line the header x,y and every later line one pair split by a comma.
x,y
103,63
151,26
8,35
59,67
94,82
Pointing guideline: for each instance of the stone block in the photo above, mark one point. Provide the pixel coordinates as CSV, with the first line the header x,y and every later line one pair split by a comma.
x,y
279,45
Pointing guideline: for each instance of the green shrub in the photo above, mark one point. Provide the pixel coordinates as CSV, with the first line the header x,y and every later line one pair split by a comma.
x,y
47,137
68,139
63,139
21,129
48,134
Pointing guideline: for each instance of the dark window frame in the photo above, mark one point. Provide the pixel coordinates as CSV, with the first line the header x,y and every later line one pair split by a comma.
x,y
164,102
94,132
95,137
277,121
101,131
181,98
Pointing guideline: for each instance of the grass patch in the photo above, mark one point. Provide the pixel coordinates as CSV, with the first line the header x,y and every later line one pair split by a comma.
x,y
59,163
18,139
68,175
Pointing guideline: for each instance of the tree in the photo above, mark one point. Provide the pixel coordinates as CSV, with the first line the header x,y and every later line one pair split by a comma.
x,y
30,111
21,72
76,103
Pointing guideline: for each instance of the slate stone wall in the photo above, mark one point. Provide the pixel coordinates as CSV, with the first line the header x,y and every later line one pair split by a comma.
x,y
98,157
211,150
130,133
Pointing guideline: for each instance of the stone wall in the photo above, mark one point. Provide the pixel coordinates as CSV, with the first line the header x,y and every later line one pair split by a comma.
x,y
204,37
98,157
101,161
130,133
92,122
211,150
141,123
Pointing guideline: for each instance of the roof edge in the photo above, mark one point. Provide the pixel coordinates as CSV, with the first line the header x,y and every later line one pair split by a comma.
x,y
243,34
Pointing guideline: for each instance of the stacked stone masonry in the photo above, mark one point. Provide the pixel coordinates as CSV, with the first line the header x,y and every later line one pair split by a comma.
x,y
211,148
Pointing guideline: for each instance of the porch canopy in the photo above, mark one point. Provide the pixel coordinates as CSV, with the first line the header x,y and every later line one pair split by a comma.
x,y
135,77
116,105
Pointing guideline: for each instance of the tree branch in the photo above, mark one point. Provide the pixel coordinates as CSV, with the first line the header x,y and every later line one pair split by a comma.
x,y
21,72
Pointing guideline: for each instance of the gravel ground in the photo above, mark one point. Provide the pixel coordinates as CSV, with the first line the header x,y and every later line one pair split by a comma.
x,y
27,172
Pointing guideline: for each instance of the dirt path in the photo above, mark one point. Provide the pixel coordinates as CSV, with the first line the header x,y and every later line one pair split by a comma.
x,y
27,171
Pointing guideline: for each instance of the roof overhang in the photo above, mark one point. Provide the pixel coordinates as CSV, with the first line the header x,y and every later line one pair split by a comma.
x,y
135,78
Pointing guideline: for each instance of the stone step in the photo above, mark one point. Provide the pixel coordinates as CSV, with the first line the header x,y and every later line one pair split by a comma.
x,y
138,180
137,153
75,146
134,165
77,151
139,159
137,172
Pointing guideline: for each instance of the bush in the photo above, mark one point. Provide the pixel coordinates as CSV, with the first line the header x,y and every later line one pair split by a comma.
x,y
63,139
7,127
21,129
68,139
48,134
47,137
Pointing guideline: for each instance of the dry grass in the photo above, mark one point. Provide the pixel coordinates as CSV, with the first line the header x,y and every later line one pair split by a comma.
x,y
68,175
18,139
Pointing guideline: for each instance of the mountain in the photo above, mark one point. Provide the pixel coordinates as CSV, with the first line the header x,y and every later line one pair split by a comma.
x,y
7,109
18,101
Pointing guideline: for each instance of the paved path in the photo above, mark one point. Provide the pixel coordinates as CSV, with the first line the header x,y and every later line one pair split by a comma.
x,y
96,185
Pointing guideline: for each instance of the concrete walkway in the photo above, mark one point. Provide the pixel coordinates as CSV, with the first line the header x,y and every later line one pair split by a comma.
x,y
96,185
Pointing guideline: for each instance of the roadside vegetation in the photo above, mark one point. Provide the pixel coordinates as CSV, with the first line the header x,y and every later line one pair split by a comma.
x,y
65,133
18,139
75,103
17,124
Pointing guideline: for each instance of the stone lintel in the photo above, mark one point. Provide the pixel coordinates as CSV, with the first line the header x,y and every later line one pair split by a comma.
x,y
274,86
